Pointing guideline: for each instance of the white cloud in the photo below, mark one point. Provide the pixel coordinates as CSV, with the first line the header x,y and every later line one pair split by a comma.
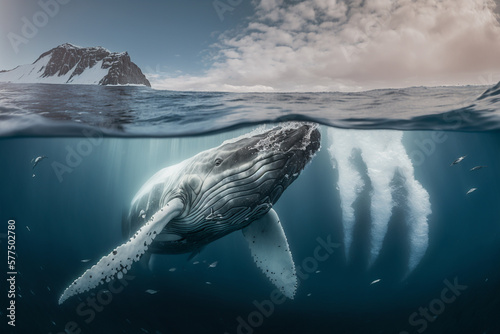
x,y
327,45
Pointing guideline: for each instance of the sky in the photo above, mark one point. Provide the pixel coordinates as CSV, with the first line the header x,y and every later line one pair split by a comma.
x,y
270,45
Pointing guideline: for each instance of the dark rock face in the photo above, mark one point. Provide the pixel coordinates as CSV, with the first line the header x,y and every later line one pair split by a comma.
x,y
67,57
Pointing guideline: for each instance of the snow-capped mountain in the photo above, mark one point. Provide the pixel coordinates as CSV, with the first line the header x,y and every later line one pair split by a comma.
x,y
71,64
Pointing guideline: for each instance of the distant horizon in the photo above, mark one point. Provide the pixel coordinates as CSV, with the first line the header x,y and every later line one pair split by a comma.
x,y
278,92
271,45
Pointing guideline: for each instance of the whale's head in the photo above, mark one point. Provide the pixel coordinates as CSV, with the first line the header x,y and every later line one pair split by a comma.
x,y
265,163
239,181
225,188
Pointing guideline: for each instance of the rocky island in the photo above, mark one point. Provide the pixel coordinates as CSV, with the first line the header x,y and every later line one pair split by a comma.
x,y
70,64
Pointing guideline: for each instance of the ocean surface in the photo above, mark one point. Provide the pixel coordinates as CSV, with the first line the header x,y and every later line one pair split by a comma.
x,y
394,226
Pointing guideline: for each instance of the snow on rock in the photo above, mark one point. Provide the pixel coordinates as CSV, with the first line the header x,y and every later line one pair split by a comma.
x,y
70,64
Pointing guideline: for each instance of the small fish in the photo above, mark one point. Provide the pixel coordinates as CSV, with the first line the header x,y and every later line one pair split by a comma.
x,y
375,281
151,291
471,191
172,269
33,175
208,283
37,160
213,265
85,261
459,160
308,295
318,271
28,228
196,262
477,168
48,288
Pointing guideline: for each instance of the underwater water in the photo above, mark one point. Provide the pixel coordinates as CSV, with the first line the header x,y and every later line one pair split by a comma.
x,y
386,233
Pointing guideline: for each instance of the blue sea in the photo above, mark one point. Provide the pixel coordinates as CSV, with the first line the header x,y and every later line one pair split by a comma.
x,y
394,226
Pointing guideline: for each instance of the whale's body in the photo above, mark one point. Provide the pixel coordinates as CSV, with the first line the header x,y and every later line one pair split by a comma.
x,y
228,188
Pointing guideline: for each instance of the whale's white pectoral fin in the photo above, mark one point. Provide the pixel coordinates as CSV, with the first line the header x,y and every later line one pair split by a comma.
x,y
270,251
119,261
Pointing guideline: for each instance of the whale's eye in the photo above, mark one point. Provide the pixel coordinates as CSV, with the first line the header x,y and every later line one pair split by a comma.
x,y
218,161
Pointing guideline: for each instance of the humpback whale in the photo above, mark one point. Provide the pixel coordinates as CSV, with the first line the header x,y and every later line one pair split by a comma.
x,y
232,187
